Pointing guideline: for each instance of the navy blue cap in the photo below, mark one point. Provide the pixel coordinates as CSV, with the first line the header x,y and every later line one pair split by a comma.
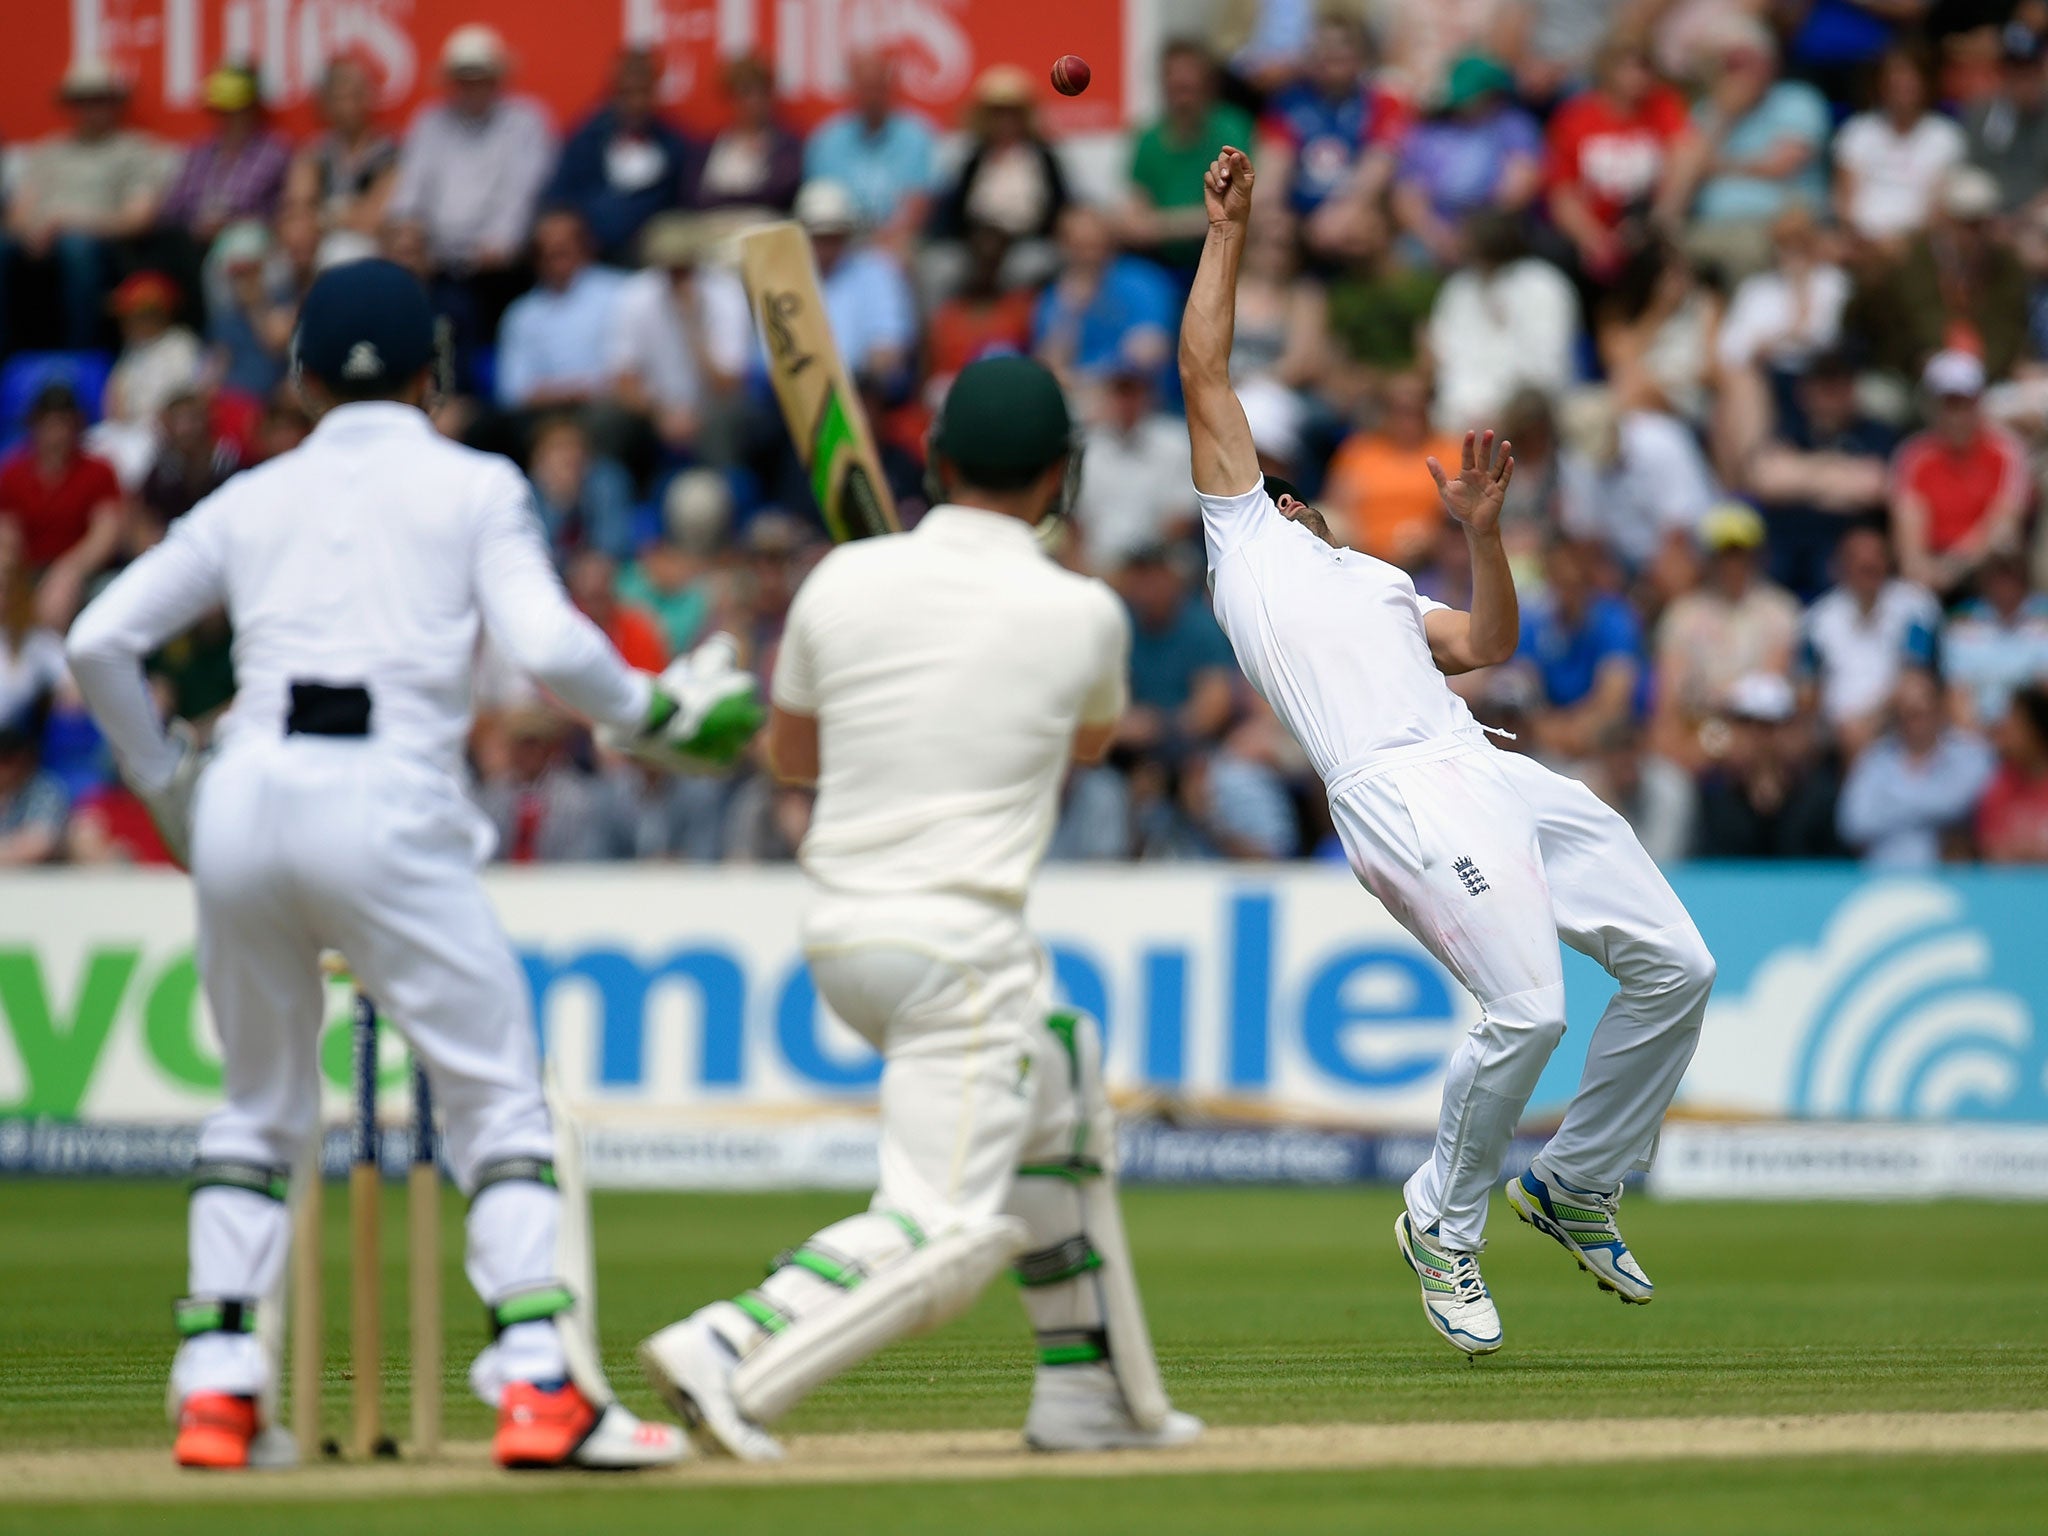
x,y
365,326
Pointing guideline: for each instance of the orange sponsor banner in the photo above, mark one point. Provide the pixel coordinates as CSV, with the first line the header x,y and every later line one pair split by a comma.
x,y
562,51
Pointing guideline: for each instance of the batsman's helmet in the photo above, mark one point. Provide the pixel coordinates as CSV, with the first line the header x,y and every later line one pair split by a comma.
x,y
1004,423
365,328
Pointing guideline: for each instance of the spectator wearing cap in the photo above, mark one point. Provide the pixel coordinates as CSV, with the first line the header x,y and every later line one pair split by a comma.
x,y
2012,818
76,197
1891,160
239,172
471,172
1329,143
1478,151
755,161
551,347
51,489
1760,148
1956,284
1960,489
33,804
159,360
1505,321
1162,213
1823,467
1861,633
1997,642
2007,132
1631,480
1767,796
882,153
1734,623
1614,151
624,163
1586,647
1011,178
1105,308
868,301
1908,800
1379,495
347,170
681,338
1136,488
251,307
583,499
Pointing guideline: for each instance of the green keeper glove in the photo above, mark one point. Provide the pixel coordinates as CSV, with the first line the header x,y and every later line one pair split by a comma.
x,y
705,710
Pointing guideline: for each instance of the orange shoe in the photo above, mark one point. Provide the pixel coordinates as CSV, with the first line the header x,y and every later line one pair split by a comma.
x,y
538,1427
215,1430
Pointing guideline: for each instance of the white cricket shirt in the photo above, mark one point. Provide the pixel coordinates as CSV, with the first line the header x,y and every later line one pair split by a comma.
x,y
366,556
948,669
1331,638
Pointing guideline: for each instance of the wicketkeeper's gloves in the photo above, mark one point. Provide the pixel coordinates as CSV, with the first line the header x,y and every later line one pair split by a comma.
x,y
706,708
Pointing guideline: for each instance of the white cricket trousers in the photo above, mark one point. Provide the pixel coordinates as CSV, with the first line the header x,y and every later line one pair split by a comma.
x,y
309,843
1489,859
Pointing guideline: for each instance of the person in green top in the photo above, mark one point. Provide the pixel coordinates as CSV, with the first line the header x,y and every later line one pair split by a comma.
x,y
1163,215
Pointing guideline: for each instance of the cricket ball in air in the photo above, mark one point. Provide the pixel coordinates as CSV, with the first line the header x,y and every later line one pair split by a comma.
x,y
1070,74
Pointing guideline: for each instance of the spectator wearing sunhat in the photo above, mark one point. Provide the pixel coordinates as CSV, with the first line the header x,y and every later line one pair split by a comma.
x,y
681,336
1734,623
625,162
159,361
77,195
1011,178
51,489
1479,151
239,172
1960,489
472,169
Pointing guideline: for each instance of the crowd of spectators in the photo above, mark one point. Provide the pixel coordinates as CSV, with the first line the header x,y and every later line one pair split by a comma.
x,y
1759,288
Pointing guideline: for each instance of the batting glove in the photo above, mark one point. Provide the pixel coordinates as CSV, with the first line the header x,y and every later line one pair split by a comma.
x,y
706,709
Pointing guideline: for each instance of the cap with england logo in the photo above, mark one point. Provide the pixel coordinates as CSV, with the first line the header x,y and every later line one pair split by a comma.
x,y
365,325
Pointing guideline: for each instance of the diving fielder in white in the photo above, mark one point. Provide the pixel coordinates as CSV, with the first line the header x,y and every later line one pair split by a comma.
x,y
935,685
356,571
1487,857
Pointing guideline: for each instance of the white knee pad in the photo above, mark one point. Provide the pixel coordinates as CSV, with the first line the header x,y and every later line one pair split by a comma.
x,y
858,1285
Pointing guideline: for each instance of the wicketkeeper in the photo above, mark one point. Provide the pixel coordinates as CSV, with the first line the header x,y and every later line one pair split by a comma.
x,y
935,685
357,571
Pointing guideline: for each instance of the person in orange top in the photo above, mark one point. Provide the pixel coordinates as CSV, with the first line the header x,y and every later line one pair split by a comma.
x,y
592,579
1379,484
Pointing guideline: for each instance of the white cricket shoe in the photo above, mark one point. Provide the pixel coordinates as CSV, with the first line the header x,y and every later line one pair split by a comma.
x,y
1081,1408
690,1364
1583,1222
623,1440
1454,1295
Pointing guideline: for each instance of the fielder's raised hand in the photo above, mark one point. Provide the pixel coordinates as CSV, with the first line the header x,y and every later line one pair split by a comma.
x,y
1227,188
1474,498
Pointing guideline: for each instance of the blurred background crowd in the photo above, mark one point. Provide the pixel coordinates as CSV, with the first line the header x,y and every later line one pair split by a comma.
x,y
1758,288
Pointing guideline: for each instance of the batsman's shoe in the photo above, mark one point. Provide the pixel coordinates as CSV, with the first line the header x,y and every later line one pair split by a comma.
x,y
1081,1408
557,1426
1454,1295
1583,1221
215,1430
691,1366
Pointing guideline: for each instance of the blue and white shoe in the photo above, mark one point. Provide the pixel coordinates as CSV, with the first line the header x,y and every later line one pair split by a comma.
x,y
1454,1296
1583,1222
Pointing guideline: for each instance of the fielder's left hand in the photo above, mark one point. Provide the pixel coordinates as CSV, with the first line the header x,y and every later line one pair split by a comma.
x,y
706,709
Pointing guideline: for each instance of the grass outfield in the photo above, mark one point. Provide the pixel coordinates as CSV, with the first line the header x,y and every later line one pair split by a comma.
x,y
1270,1306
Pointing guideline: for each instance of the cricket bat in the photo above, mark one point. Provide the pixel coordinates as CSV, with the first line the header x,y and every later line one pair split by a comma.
x,y
818,400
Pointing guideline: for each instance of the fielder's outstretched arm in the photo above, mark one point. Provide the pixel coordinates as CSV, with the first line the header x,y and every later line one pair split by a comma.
x,y
1225,462
1488,635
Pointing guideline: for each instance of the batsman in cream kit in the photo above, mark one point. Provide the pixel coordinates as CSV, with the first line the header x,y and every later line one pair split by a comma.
x,y
357,571
1486,857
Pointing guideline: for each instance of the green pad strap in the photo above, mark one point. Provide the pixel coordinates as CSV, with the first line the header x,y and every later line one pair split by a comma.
x,y
1062,1261
1073,1346
513,1170
532,1306
758,1308
1065,1026
845,1276
257,1178
910,1228
212,1314
1074,1170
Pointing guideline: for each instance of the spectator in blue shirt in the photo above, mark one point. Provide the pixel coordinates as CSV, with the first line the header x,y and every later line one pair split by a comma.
x,y
1907,801
1587,651
1106,309
552,346
1762,147
624,164
884,155
868,301
1183,688
583,499
1331,138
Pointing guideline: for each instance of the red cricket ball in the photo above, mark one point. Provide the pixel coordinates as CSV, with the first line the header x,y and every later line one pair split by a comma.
x,y
1070,74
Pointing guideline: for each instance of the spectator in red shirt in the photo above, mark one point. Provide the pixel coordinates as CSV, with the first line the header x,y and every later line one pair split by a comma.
x,y
50,485
983,317
592,579
1611,156
2012,818
1960,488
